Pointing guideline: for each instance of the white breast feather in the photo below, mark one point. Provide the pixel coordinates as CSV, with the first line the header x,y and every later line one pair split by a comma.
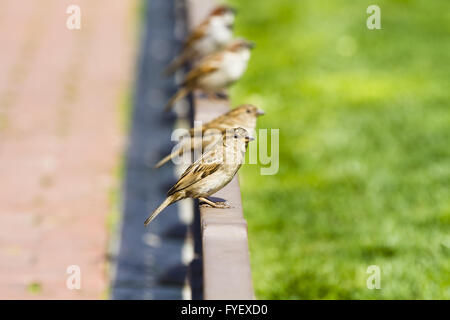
x,y
235,64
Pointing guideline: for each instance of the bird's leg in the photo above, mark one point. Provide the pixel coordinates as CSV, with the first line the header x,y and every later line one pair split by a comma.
x,y
222,95
208,95
221,205
214,95
212,204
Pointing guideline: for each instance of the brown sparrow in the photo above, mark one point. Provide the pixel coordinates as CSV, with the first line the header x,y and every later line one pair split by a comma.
x,y
243,116
216,71
212,35
211,172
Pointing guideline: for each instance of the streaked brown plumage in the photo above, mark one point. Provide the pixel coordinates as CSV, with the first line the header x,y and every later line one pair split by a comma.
x,y
243,116
211,172
216,71
210,36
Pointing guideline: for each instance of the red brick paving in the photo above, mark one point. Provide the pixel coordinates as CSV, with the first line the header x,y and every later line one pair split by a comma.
x,y
60,140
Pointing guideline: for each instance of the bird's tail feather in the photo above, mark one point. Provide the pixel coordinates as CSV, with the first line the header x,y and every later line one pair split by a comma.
x,y
177,63
169,200
181,93
169,157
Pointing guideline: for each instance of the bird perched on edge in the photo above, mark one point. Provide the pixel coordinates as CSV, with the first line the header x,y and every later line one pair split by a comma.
x,y
212,35
217,71
211,172
243,116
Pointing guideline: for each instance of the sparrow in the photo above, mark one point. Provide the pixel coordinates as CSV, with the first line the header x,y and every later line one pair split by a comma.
x,y
217,71
210,173
212,35
243,116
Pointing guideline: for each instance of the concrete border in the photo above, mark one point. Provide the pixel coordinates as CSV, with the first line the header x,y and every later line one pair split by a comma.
x,y
225,255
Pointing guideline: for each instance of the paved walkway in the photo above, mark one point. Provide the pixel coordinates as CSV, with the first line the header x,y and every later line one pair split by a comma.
x,y
152,262
60,141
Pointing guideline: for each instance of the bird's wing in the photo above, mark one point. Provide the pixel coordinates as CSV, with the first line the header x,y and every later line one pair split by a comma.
x,y
206,165
221,123
216,124
198,33
210,64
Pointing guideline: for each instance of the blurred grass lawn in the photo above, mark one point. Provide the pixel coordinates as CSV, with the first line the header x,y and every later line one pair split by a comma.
x,y
364,125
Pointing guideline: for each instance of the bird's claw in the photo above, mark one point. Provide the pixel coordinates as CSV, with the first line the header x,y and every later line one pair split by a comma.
x,y
218,205
222,95
222,205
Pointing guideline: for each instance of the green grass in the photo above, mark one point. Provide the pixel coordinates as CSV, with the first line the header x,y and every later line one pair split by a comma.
x,y
364,123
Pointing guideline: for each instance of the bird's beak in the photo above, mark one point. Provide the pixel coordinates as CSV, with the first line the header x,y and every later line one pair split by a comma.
x,y
260,112
248,139
251,44
233,10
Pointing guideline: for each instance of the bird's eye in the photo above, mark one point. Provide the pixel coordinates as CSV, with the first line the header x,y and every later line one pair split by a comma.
x,y
249,111
235,136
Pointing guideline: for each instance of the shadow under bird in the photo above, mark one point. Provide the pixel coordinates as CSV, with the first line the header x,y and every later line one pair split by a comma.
x,y
210,173
212,35
216,72
201,138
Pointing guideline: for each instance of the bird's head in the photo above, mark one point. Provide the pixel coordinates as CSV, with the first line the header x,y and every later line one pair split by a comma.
x,y
237,136
245,116
247,110
241,45
235,142
225,13
223,9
